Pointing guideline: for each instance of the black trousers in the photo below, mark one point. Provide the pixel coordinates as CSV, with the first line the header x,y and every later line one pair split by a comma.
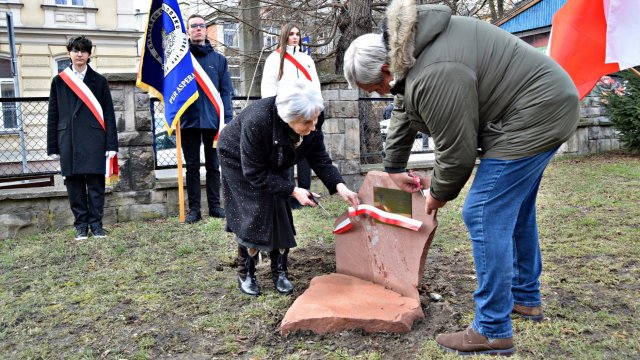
x,y
191,140
86,197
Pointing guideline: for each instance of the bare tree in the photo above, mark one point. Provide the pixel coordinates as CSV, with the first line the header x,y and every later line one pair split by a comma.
x,y
332,25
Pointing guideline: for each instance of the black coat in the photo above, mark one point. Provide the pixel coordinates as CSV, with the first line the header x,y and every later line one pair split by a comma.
x,y
73,131
255,155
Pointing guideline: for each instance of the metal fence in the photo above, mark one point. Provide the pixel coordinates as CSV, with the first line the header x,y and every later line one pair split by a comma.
x,y
164,146
23,138
372,137
23,135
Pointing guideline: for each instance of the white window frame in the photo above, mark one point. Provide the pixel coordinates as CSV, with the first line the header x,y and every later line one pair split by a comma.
x,y
235,80
70,16
2,127
269,40
56,60
70,3
226,30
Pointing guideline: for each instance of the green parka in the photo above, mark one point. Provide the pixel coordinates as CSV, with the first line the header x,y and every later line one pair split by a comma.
x,y
471,85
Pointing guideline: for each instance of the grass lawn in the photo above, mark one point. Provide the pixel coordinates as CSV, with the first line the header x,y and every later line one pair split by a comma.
x,y
159,289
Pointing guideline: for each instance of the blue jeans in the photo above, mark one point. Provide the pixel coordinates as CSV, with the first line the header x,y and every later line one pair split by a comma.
x,y
500,214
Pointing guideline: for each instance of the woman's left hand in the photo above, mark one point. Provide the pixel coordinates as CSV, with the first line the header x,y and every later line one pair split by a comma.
x,y
349,196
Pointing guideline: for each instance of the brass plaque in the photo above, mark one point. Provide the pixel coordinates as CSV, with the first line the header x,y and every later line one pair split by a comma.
x,y
393,201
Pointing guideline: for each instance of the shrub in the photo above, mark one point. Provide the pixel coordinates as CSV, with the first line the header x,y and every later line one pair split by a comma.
x,y
623,108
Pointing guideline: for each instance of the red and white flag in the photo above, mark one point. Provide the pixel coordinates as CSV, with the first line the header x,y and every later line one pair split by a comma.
x,y
593,38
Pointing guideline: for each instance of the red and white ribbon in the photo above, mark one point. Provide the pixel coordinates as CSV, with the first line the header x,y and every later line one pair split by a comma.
x,y
343,227
380,215
84,93
297,64
211,92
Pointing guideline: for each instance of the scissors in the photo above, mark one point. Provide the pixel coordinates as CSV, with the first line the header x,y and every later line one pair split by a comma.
x,y
315,200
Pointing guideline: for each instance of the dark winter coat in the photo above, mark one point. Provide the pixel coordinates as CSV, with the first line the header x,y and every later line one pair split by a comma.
x,y
73,131
202,114
255,155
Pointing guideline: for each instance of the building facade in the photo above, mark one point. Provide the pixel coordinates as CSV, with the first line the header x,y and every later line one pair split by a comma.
x,y
43,27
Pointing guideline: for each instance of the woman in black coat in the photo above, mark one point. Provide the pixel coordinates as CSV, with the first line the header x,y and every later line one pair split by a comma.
x,y
256,151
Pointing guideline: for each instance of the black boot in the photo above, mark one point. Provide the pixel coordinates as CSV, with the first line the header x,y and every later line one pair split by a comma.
x,y
247,272
279,271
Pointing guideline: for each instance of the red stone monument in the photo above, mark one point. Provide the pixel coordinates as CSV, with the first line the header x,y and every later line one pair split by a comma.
x,y
379,267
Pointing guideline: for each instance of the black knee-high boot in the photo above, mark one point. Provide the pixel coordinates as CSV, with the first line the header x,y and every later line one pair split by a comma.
x,y
247,272
279,271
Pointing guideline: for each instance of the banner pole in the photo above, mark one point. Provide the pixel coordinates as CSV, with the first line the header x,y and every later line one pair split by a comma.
x,y
180,180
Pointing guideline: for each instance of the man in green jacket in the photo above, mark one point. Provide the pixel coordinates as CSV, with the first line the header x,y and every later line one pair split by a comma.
x,y
473,87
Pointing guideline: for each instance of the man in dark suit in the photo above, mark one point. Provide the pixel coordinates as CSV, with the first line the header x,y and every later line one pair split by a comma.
x,y
200,123
81,129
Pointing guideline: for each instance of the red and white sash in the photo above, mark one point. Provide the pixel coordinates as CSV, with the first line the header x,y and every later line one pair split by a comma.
x,y
212,94
84,93
297,64
380,215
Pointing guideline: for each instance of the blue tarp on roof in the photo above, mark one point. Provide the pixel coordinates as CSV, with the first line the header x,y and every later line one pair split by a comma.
x,y
537,16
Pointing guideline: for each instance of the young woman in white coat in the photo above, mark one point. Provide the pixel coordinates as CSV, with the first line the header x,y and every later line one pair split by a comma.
x,y
284,65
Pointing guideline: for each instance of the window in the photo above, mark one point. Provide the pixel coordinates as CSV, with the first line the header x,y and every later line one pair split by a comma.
x,y
8,116
70,2
8,109
231,35
234,72
271,41
62,64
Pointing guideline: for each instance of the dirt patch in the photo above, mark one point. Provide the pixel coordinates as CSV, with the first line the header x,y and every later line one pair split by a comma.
x,y
440,316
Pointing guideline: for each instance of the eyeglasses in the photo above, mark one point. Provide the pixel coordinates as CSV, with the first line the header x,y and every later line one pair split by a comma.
x,y
198,26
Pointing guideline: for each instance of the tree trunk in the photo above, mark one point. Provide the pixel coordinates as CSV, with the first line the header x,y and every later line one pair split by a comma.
x,y
500,8
250,44
492,7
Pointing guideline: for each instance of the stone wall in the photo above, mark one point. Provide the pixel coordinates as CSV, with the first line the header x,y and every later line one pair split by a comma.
x,y
341,127
595,133
139,195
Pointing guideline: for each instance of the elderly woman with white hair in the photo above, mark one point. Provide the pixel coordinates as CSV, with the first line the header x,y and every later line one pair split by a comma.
x,y
256,152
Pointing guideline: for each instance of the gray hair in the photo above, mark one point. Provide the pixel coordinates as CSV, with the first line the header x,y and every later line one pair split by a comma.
x,y
363,60
298,98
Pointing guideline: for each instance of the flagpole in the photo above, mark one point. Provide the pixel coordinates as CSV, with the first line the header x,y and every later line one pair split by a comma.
x,y
180,180
634,71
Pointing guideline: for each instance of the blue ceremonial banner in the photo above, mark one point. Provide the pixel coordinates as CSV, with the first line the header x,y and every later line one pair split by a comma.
x,y
166,70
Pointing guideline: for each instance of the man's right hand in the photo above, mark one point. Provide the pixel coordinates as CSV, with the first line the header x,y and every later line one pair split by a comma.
x,y
405,182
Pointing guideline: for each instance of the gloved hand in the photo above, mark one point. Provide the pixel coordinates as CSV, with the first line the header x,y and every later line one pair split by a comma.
x,y
110,154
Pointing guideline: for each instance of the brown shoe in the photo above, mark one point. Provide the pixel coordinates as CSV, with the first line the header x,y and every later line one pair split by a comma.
x,y
469,342
533,313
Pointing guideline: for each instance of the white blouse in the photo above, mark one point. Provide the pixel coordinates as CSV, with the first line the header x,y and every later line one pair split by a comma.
x,y
270,81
